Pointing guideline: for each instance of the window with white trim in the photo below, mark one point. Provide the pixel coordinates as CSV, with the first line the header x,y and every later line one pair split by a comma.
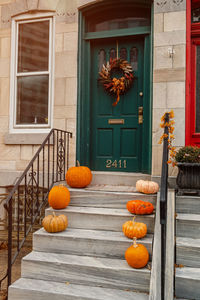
x,y
31,78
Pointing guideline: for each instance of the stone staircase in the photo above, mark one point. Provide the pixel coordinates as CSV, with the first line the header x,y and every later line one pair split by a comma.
x,y
187,277
86,261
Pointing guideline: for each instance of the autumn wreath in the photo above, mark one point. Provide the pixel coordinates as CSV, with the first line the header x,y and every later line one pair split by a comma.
x,y
116,86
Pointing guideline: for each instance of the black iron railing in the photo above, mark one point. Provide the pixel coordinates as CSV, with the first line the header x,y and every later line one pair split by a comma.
x,y
48,166
163,203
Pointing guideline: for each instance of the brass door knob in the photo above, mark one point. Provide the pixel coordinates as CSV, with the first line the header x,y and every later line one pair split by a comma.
x,y
141,94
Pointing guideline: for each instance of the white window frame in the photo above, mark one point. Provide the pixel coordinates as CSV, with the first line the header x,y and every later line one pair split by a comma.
x,y
31,128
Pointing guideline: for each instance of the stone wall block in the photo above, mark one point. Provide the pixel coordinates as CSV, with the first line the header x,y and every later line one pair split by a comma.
x,y
32,4
66,27
4,96
156,160
179,59
4,67
160,95
166,75
7,165
169,38
11,152
59,97
65,112
161,58
26,152
59,123
59,42
169,5
175,21
158,23
66,64
71,41
5,47
71,91
3,124
176,94
48,5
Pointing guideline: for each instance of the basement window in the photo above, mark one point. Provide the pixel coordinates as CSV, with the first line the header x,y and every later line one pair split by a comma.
x,y
31,82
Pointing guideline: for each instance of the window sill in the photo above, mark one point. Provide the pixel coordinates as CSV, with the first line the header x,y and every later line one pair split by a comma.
x,y
24,138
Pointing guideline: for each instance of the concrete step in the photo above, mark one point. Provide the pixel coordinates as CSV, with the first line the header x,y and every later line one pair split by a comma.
x,y
84,197
85,270
187,283
117,178
187,225
86,242
188,252
188,204
30,289
101,218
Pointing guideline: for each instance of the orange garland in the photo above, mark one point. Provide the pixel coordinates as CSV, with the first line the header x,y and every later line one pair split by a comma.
x,y
116,86
170,136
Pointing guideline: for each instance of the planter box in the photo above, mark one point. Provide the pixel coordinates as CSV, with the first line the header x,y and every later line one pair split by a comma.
x,y
188,178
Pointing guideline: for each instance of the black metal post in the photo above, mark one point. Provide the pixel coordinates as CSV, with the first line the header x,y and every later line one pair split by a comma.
x,y
163,205
9,242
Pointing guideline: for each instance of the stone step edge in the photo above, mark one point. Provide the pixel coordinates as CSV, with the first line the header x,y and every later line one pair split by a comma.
x,y
81,291
89,261
188,217
188,273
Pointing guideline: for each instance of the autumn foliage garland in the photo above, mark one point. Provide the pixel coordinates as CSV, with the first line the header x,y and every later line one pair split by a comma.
x,y
116,86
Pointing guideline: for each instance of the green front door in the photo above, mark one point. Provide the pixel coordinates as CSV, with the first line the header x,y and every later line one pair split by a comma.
x,y
117,131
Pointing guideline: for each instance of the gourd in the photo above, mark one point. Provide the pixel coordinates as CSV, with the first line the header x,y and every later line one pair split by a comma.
x,y
78,177
140,207
133,229
137,255
53,223
131,205
59,197
147,187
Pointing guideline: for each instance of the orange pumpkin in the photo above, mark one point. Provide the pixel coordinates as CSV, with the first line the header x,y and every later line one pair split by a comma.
x,y
78,177
137,255
130,205
144,208
55,223
147,187
59,197
133,229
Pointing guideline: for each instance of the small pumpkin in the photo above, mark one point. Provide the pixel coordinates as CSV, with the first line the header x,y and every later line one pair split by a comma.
x,y
144,208
130,205
53,223
133,229
147,187
137,255
78,177
140,207
59,197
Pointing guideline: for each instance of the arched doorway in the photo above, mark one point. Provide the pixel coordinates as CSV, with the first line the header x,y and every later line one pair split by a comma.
x,y
115,138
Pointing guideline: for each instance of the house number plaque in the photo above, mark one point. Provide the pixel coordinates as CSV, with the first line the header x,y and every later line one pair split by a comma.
x,y
121,164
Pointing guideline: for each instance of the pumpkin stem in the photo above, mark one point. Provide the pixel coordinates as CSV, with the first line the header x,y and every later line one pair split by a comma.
x,y
135,242
78,163
54,215
134,220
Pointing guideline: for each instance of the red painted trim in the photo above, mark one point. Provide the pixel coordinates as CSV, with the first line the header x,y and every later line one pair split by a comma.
x,y
188,73
192,32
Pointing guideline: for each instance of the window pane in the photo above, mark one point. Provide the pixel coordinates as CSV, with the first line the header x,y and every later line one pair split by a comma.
x,y
102,59
198,89
32,99
123,53
113,54
119,19
134,58
195,15
33,46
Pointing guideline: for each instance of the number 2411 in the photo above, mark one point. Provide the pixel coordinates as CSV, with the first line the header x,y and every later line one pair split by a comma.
x,y
116,164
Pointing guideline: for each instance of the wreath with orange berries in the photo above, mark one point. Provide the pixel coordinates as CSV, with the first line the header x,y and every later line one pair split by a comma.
x,y
116,86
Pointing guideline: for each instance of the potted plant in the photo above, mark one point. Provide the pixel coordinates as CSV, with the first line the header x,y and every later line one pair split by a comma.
x,y
187,159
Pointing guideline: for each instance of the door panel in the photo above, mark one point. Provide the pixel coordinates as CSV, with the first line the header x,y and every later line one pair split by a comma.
x,y
116,147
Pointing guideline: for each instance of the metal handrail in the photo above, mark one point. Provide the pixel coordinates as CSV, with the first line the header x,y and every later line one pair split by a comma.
x,y
48,166
163,203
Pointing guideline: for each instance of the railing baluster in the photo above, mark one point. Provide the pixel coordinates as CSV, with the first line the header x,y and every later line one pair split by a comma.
x,y
31,205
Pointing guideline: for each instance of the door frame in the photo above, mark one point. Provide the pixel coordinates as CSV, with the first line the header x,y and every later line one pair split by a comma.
x,y
83,104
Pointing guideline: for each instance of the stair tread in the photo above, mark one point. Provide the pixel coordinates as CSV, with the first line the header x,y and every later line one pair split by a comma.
x,y
76,192
63,290
188,242
89,261
188,273
91,234
188,217
98,211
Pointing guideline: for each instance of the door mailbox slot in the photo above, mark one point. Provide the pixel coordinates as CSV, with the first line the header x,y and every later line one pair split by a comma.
x,y
116,121
140,115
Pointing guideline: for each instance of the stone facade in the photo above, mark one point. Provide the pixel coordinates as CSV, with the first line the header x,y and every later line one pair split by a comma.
x,y
168,75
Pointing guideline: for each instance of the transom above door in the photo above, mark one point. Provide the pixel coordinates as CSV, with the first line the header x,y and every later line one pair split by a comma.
x,y
116,131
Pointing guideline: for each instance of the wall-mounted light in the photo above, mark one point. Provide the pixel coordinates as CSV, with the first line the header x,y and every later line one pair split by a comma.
x,y
171,52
